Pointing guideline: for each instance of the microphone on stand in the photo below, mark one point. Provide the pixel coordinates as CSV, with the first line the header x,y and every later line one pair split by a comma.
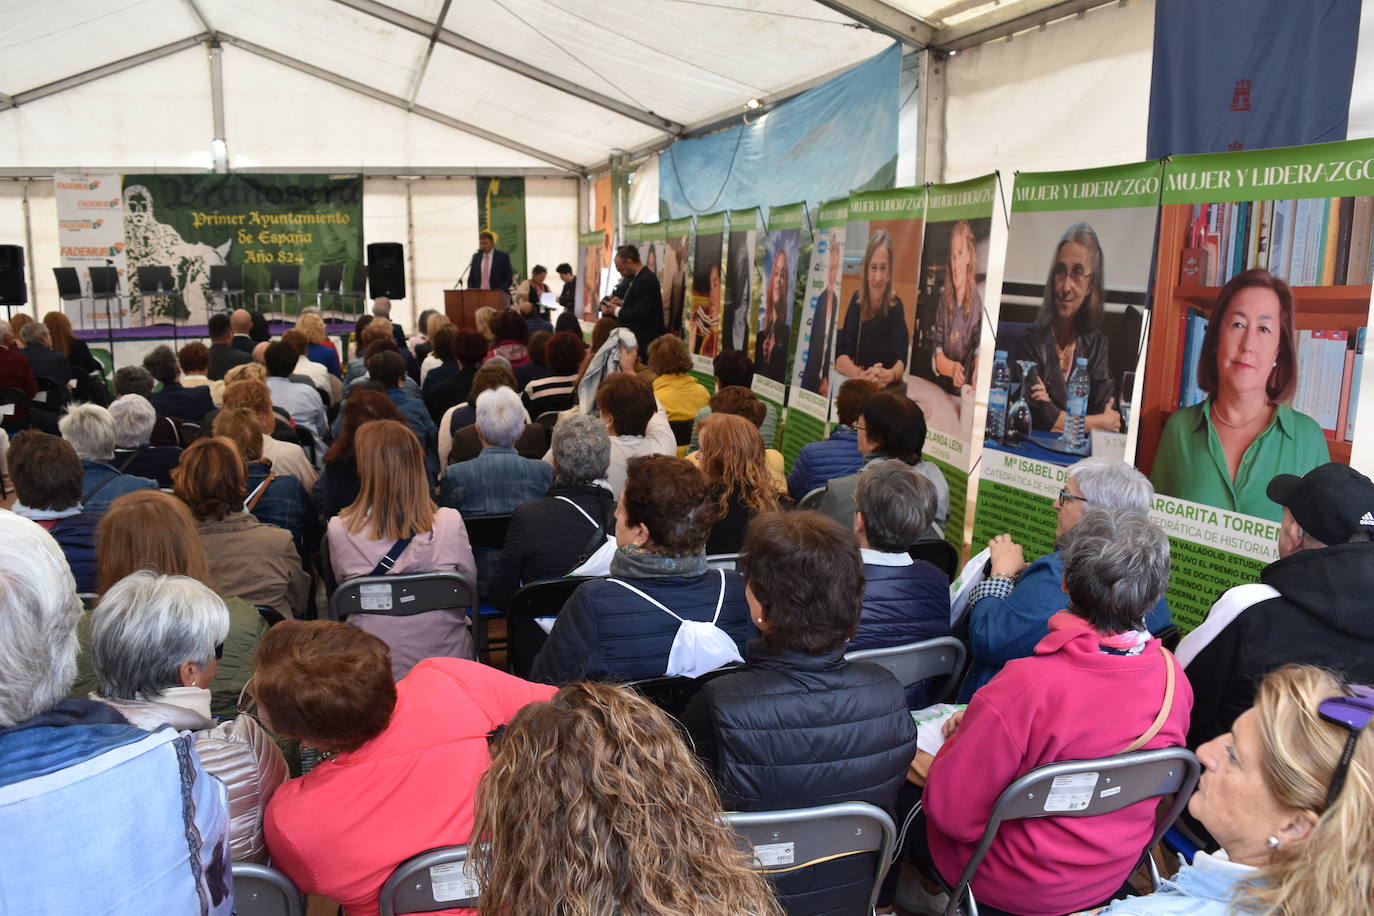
x,y
464,274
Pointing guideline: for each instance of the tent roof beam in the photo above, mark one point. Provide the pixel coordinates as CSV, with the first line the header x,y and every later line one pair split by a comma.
x,y
398,102
399,172
885,19
1008,21
458,42
104,70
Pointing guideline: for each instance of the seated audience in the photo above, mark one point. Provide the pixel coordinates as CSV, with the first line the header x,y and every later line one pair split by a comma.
x,y
87,371
135,419
441,358
318,349
223,354
557,390
837,456
244,325
93,807
1288,792
339,483
893,426
498,479
482,318
285,454
366,332
155,644
634,422
175,399
47,483
617,352
538,366
194,360
756,729
253,561
551,536
567,321
1095,687
733,461
388,370
743,403
469,350
421,343
91,431
734,368
599,768
626,627
273,499
1009,611
461,422
306,368
15,372
400,762
905,600
302,402
510,337
393,527
1311,606
528,297
153,530
46,362
678,393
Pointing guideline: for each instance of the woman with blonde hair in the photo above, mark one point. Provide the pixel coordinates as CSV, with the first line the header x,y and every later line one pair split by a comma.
x,y
959,315
873,341
1289,795
318,349
394,527
247,372
733,459
627,819
483,318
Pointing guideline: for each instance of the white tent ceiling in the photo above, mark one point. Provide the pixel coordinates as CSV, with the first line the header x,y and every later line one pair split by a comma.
x,y
528,85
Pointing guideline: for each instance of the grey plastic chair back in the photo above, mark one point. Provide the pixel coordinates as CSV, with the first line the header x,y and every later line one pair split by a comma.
x,y
728,561
942,656
1088,788
436,880
260,890
402,595
787,840
812,499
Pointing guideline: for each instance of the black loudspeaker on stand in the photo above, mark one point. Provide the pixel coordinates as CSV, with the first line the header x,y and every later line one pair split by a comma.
x,y
13,290
386,272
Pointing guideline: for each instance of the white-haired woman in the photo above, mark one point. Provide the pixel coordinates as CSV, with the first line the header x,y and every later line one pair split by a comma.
x,y
498,479
155,644
1289,794
134,418
91,431
1009,611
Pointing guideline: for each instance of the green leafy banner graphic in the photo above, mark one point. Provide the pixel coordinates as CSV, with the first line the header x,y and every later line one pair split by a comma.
x,y
501,211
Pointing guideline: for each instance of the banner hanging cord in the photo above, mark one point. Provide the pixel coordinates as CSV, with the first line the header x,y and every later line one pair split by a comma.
x,y
672,158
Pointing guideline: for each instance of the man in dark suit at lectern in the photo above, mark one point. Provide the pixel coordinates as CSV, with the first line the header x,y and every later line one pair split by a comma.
x,y
490,267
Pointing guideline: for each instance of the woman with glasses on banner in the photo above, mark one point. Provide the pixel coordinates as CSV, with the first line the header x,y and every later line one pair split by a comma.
x,y
772,346
706,315
1289,794
873,341
1067,329
959,316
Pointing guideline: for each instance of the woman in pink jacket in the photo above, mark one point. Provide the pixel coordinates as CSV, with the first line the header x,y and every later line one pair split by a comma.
x,y
1095,687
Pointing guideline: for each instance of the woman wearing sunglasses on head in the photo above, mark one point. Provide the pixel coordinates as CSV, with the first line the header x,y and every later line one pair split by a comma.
x,y
1289,794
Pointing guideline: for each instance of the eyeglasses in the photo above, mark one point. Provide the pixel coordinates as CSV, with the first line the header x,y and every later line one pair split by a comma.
x,y
1352,712
1065,496
1078,275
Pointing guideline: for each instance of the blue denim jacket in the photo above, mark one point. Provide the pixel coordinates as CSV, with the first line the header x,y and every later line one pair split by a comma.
x,y
494,482
1205,888
102,484
285,504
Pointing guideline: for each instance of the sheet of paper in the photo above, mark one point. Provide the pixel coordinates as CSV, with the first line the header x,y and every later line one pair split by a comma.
x,y
930,723
968,577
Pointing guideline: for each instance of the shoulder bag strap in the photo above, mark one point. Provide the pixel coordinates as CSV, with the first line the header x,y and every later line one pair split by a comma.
x,y
1164,710
655,603
385,564
257,494
86,497
579,509
720,599
130,459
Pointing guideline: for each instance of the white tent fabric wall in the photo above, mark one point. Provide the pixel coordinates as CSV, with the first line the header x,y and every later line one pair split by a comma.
x,y
1073,95
1362,93
643,207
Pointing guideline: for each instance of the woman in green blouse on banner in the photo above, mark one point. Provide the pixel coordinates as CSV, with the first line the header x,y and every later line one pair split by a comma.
x,y
1224,451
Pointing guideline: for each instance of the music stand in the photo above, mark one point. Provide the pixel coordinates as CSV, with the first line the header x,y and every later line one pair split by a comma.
x,y
329,283
69,288
105,285
358,289
159,280
283,280
227,281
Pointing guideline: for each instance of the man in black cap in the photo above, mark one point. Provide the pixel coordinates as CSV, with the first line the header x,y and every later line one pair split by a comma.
x,y
1313,606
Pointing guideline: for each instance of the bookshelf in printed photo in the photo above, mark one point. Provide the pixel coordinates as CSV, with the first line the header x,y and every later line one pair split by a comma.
x,y
1321,247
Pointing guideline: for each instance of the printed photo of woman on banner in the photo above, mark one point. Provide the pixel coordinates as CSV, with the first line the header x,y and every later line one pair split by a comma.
x,y
818,357
773,343
874,337
674,280
589,277
739,270
704,330
949,321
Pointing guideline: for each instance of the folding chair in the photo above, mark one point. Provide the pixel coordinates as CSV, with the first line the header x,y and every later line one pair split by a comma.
x,y
532,601
440,879
402,595
939,552
12,399
728,561
787,841
548,419
942,656
260,890
327,566
672,693
812,499
1087,788
486,533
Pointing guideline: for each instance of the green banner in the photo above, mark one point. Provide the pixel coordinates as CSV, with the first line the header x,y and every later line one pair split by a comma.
x,y
1098,189
963,200
833,213
678,226
653,232
711,222
1342,169
899,203
958,502
501,211
194,222
789,216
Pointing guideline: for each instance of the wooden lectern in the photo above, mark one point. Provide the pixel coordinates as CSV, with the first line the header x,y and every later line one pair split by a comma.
x,y
461,305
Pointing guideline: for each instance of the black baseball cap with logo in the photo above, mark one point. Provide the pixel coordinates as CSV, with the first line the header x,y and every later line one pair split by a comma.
x,y
1331,502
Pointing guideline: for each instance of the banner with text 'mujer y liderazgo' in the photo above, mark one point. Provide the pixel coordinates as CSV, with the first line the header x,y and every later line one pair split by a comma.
x,y
708,291
952,309
780,251
1074,284
1256,353
810,395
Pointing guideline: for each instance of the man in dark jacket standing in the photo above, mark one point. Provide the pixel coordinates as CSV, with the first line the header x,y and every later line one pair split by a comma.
x,y
490,267
1310,607
637,303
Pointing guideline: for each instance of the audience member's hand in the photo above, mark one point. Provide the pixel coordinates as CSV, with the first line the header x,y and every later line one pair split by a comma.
x,y
1008,559
952,724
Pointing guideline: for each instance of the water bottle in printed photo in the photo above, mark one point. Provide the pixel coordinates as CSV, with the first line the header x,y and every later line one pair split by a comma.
x,y
1075,437
998,396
